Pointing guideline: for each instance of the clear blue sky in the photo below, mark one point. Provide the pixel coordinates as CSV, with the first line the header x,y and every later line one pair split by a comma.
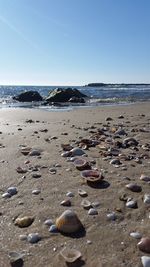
x,y
62,42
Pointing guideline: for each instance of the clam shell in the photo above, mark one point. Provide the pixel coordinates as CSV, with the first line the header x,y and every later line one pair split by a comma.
x,y
81,164
82,193
86,204
145,178
24,221
92,175
70,255
145,261
134,187
144,245
68,222
25,151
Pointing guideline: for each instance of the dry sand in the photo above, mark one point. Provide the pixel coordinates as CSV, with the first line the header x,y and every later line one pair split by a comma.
x,y
111,244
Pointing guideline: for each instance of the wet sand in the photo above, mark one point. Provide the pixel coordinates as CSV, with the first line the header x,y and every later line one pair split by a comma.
x,y
111,243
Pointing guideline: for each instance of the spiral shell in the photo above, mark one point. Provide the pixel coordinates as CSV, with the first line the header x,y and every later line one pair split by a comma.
x,y
68,222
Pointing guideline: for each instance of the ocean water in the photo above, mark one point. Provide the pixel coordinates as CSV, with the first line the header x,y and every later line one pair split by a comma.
x,y
103,95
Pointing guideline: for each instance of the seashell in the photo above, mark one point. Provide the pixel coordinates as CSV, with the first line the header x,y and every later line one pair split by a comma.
x,y
92,211
70,255
136,235
25,151
145,178
21,170
70,194
35,152
112,216
6,195
134,187
81,164
48,222
15,257
95,204
24,221
76,151
36,175
115,162
131,204
86,204
36,191
145,261
66,203
12,190
130,141
92,175
33,238
66,147
66,154
68,222
147,199
52,170
53,229
144,245
82,193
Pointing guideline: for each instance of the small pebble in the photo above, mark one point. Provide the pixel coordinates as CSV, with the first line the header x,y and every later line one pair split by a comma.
x,y
6,195
147,199
23,237
112,216
66,203
36,175
33,238
12,190
136,235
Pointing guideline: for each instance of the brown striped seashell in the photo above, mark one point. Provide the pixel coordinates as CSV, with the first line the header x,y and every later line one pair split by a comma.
x,y
24,221
144,245
70,255
68,222
92,175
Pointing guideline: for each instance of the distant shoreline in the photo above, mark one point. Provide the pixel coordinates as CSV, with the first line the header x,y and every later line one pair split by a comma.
x,y
115,84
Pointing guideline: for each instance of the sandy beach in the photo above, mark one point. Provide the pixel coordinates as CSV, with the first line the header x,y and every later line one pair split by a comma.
x,y
105,242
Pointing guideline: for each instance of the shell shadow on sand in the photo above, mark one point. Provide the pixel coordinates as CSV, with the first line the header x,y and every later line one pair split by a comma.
x,y
78,234
99,184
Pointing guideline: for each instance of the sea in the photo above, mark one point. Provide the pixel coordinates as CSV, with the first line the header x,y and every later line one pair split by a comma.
x,y
115,94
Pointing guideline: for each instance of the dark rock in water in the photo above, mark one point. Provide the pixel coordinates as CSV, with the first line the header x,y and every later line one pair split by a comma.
x,y
76,100
28,96
63,95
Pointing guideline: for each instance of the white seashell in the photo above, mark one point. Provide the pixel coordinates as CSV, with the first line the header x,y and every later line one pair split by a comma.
x,y
70,194
82,193
33,238
112,216
76,151
147,199
68,222
145,261
70,255
36,191
15,257
35,152
6,195
136,235
12,190
92,211
86,204
131,204
145,178
48,222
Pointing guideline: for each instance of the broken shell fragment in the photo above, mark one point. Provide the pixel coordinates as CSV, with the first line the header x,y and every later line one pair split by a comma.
x,y
82,193
86,204
68,222
92,175
70,255
24,221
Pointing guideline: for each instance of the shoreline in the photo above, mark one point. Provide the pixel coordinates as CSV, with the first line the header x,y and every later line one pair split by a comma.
x,y
110,241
